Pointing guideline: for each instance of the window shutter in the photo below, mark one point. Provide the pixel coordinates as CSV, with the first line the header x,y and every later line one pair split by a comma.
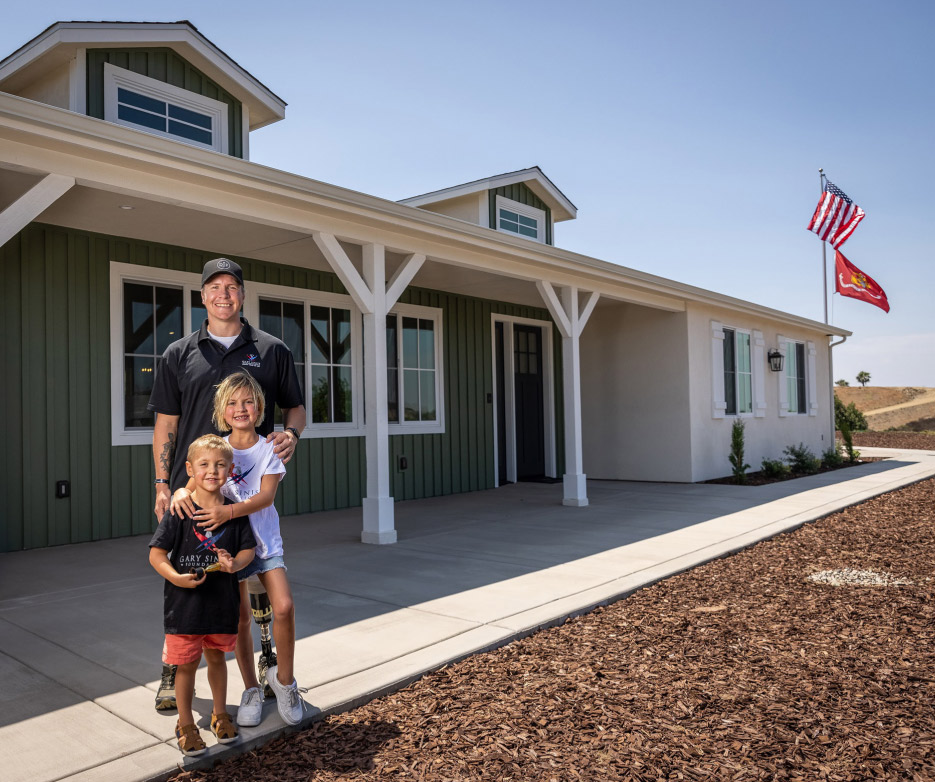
x,y
758,360
781,377
811,379
719,405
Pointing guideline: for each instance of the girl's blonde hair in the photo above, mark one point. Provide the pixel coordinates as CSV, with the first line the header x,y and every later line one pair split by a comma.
x,y
227,388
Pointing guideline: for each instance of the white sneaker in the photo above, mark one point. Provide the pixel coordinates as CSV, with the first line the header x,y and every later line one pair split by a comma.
x,y
290,703
250,712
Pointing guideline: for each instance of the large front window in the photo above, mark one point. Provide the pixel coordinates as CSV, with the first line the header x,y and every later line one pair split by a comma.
x,y
738,373
411,368
331,366
795,378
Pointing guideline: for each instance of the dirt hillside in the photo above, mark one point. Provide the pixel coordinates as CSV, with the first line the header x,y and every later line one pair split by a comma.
x,y
890,407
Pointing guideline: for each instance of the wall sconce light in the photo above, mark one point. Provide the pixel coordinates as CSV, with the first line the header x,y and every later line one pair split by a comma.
x,y
775,360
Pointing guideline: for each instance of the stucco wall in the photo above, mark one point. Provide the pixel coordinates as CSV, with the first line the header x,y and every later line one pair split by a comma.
x,y
635,395
766,436
470,208
52,88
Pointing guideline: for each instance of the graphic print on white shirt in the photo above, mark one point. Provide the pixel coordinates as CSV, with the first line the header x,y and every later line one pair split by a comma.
x,y
246,476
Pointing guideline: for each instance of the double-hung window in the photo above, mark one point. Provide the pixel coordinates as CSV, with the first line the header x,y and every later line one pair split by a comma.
x,y
413,369
738,372
796,398
285,320
153,106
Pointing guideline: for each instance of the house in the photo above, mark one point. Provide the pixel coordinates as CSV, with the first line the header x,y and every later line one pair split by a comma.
x,y
445,343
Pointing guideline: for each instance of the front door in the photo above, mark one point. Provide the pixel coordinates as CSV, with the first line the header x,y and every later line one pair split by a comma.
x,y
529,403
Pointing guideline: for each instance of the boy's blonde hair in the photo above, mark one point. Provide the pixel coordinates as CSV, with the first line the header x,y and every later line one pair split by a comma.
x,y
210,442
226,390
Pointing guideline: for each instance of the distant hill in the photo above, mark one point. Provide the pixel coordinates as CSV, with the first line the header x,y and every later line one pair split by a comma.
x,y
892,407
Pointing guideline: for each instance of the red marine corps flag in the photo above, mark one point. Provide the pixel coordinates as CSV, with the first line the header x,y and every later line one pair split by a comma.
x,y
851,281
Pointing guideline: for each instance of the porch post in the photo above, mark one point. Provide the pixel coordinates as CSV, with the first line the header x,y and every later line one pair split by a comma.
x,y
570,324
379,519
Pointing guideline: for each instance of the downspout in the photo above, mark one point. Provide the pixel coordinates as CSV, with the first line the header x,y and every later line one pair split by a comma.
x,y
831,384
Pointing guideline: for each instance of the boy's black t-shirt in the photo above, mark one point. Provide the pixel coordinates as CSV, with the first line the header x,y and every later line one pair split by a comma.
x,y
213,607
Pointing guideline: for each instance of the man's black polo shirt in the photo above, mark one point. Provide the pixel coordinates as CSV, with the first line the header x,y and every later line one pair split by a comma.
x,y
191,369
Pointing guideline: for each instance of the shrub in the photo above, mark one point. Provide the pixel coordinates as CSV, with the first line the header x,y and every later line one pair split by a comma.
x,y
850,415
832,457
852,455
774,468
801,459
842,382
736,452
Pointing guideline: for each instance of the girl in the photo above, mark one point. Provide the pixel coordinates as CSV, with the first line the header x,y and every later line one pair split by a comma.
x,y
254,479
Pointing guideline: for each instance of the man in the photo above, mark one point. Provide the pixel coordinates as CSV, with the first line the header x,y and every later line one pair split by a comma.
x,y
183,391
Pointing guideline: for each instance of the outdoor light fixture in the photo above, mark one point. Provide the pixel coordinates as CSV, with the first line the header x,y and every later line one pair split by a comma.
x,y
775,360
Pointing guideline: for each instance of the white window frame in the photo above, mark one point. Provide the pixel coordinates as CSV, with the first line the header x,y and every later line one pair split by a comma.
x,y
757,381
811,380
115,77
538,215
435,315
145,275
311,298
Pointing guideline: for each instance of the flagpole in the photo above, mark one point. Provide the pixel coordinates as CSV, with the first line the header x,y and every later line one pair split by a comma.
x,y
824,250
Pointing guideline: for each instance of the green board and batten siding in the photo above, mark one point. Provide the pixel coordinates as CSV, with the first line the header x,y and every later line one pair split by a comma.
x,y
521,194
55,391
166,66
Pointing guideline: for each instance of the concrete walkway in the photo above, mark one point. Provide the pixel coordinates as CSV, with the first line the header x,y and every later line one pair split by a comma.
x,y
80,626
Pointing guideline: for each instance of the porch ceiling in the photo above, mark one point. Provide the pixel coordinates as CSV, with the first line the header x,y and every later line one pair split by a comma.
x,y
101,211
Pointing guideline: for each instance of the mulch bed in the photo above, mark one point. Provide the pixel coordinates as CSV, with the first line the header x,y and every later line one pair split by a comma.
x,y
919,441
740,669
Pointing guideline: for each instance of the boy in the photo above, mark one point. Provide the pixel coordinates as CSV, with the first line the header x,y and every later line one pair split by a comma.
x,y
202,608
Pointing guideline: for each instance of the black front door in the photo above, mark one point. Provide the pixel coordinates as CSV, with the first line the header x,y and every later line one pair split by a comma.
x,y
527,384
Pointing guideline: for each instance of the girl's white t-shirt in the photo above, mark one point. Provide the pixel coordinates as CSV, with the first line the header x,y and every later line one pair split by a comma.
x,y
246,475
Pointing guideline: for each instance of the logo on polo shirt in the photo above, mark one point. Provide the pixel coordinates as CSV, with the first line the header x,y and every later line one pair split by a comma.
x,y
252,360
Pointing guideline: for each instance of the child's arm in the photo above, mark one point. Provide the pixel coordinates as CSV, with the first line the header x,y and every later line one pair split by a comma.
x,y
159,559
212,518
231,564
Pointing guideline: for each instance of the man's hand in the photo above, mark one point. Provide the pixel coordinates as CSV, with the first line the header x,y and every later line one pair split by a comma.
x,y
182,503
212,518
285,444
162,501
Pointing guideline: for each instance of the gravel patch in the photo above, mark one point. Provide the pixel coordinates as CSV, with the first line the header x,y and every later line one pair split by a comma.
x,y
740,669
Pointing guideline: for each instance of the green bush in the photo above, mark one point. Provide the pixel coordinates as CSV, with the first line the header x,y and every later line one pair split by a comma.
x,y
832,457
774,468
852,455
850,415
801,460
736,452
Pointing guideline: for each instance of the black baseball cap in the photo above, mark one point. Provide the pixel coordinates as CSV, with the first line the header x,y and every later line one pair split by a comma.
x,y
221,266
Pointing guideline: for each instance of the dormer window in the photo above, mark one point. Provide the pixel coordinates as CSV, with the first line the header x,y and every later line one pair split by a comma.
x,y
514,217
156,107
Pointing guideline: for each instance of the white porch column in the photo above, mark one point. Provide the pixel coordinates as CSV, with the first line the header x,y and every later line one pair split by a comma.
x,y
31,204
570,324
379,518
375,297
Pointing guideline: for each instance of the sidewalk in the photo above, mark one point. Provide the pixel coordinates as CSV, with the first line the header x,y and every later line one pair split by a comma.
x,y
80,626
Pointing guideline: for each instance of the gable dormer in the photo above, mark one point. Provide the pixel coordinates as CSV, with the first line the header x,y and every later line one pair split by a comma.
x,y
522,203
163,78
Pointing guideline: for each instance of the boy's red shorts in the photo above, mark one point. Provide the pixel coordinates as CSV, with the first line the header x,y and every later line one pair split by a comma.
x,y
182,649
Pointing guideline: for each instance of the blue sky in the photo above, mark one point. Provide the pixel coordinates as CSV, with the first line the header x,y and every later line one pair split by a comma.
x,y
688,134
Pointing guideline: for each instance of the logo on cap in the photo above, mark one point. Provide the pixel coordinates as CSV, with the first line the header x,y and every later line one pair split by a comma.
x,y
224,263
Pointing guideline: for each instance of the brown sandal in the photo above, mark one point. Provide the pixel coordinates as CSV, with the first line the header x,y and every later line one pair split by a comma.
x,y
223,728
190,741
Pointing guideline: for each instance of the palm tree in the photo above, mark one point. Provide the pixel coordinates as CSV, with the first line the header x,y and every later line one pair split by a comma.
x,y
863,378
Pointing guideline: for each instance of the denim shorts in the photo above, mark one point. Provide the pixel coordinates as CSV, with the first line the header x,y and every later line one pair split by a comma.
x,y
260,566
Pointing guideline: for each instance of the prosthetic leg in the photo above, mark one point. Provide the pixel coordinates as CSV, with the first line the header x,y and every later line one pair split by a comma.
x,y
263,616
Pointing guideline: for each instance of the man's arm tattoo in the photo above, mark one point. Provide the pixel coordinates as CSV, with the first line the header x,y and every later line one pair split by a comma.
x,y
168,454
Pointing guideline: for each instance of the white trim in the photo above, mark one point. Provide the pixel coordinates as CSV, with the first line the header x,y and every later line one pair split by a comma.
x,y
548,395
32,203
436,315
115,77
758,359
526,211
78,82
718,392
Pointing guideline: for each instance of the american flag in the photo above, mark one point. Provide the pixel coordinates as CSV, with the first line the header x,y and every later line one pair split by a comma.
x,y
836,216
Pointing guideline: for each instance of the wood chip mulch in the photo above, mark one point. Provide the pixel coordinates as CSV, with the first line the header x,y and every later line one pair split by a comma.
x,y
741,669
919,441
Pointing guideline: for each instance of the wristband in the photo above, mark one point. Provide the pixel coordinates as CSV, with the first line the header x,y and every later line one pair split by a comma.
x,y
160,480
294,431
